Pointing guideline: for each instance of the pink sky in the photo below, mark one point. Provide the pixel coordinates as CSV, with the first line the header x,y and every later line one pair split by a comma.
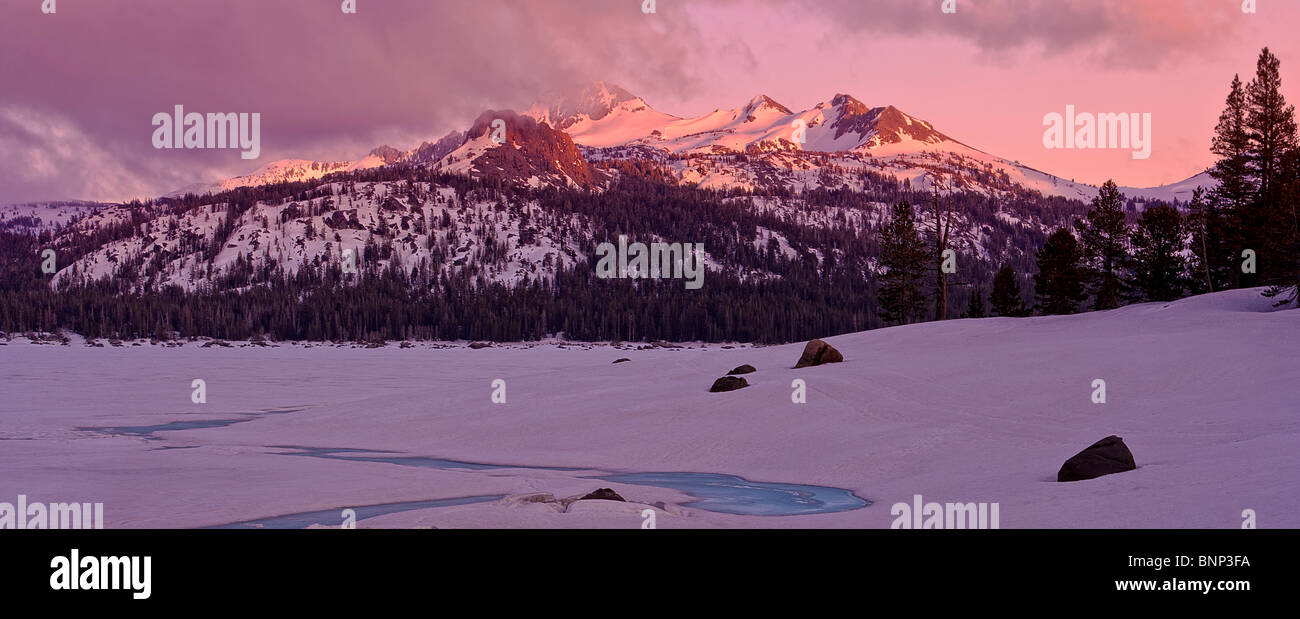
x,y
82,84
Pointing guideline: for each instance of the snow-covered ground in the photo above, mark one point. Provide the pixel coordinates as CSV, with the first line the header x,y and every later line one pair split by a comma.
x,y
1203,390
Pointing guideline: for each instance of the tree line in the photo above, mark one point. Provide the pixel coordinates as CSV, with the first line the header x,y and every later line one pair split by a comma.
x,y
1243,233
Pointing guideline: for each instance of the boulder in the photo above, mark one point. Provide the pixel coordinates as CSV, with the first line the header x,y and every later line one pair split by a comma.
x,y
728,383
744,369
818,352
478,345
1109,455
603,494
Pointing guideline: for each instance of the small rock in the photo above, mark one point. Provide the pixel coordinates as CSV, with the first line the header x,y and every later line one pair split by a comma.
x,y
478,345
728,383
1109,455
818,352
621,360
744,369
603,494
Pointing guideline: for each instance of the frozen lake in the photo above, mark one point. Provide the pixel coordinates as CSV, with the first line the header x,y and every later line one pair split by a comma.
x,y
958,411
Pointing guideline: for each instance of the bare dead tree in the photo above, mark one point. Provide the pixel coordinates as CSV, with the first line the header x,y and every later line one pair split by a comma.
x,y
942,232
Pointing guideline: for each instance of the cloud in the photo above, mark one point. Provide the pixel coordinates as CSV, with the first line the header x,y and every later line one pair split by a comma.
x,y
44,155
328,85
1121,33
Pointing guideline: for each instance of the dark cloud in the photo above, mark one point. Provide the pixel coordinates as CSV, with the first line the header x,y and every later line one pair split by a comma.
x,y
328,85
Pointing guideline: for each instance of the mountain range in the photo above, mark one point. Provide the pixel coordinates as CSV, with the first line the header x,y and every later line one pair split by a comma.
x,y
605,121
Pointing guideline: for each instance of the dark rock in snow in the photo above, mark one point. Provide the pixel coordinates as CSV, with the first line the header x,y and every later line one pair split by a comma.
x,y
1109,455
818,352
744,369
621,360
728,383
604,494
478,345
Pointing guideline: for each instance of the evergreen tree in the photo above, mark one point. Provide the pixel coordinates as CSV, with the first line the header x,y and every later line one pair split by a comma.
x,y
1104,236
905,260
1271,124
1006,297
1232,197
1211,264
975,307
1158,263
1272,219
1286,282
1059,283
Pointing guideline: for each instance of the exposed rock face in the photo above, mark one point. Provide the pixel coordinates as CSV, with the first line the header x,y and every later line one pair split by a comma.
x,y
387,154
429,152
1109,455
604,494
818,352
744,369
344,220
728,383
531,149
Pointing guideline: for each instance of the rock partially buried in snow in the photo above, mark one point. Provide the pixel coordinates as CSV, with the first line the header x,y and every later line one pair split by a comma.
x,y
818,352
478,345
602,494
1109,455
728,383
531,497
744,369
621,360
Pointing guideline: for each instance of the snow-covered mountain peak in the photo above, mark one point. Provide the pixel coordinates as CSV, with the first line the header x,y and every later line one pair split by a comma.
x,y
764,103
593,101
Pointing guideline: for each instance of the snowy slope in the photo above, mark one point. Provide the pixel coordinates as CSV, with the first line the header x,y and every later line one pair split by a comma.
x,y
282,171
418,222
37,216
963,410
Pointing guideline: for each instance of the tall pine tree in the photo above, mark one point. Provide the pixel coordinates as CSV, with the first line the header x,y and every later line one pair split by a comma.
x,y
1059,283
1271,124
1222,215
905,260
1104,235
